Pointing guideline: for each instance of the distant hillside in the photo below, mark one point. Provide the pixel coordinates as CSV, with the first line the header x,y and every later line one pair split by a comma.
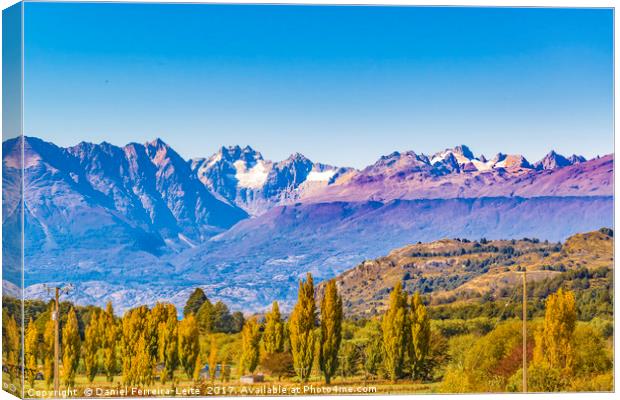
x,y
454,270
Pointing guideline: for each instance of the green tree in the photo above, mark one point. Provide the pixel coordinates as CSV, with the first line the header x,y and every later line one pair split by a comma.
x,y
71,349
196,299
168,342
373,349
109,338
394,327
331,330
189,346
48,351
250,340
222,319
91,345
31,346
273,336
204,317
420,336
301,329
212,358
554,344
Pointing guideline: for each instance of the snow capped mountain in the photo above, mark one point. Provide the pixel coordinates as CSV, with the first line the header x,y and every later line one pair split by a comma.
x,y
243,177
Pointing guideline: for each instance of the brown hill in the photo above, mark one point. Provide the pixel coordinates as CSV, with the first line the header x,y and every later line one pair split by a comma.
x,y
454,270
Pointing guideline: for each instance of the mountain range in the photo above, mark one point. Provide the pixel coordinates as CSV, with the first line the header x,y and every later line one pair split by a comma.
x,y
139,223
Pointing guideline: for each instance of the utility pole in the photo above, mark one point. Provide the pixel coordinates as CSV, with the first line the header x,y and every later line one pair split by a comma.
x,y
524,331
56,318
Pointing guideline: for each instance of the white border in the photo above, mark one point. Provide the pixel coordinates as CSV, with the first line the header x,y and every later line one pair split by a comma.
x,y
484,3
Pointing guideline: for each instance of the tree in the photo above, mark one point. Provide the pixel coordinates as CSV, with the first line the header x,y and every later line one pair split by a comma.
x,y
250,340
273,336
212,358
301,329
196,299
373,349
331,330
204,317
168,342
554,344
109,337
90,348
278,364
10,343
136,359
48,352
189,346
71,349
222,320
237,322
31,345
394,327
420,336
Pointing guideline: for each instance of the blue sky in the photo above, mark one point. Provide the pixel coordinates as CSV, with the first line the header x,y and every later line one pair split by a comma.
x,y
342,85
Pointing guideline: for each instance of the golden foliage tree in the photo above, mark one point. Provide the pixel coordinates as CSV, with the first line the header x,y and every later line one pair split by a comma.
x,y
301,329
10,343
250,340
212,358
554,343
48,352
394,327
331,330
168,342
71,349
91,345
189,346
109,338
136,360
31,345
273,336
420,336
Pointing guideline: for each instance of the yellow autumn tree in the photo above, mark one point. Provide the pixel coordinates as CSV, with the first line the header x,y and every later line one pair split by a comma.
x,y
189,346
10,343
554,343
273,336
90,347
212,358
70,349
48,352
136,361
420,337
331,330
250,340
109,339
301,329
31,345
168,342
394,327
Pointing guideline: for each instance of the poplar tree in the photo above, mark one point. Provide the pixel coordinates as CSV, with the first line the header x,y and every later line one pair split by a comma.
x,y
554,344
212,358
301,329
250,340
90,347
394,327
48,352
331,330
205,317
196,299
189,347
168,342
109,338
420,336
31,344
10,343
135,352
71,349
273,336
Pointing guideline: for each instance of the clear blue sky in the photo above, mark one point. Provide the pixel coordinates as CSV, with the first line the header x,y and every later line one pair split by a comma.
x,y
342,85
